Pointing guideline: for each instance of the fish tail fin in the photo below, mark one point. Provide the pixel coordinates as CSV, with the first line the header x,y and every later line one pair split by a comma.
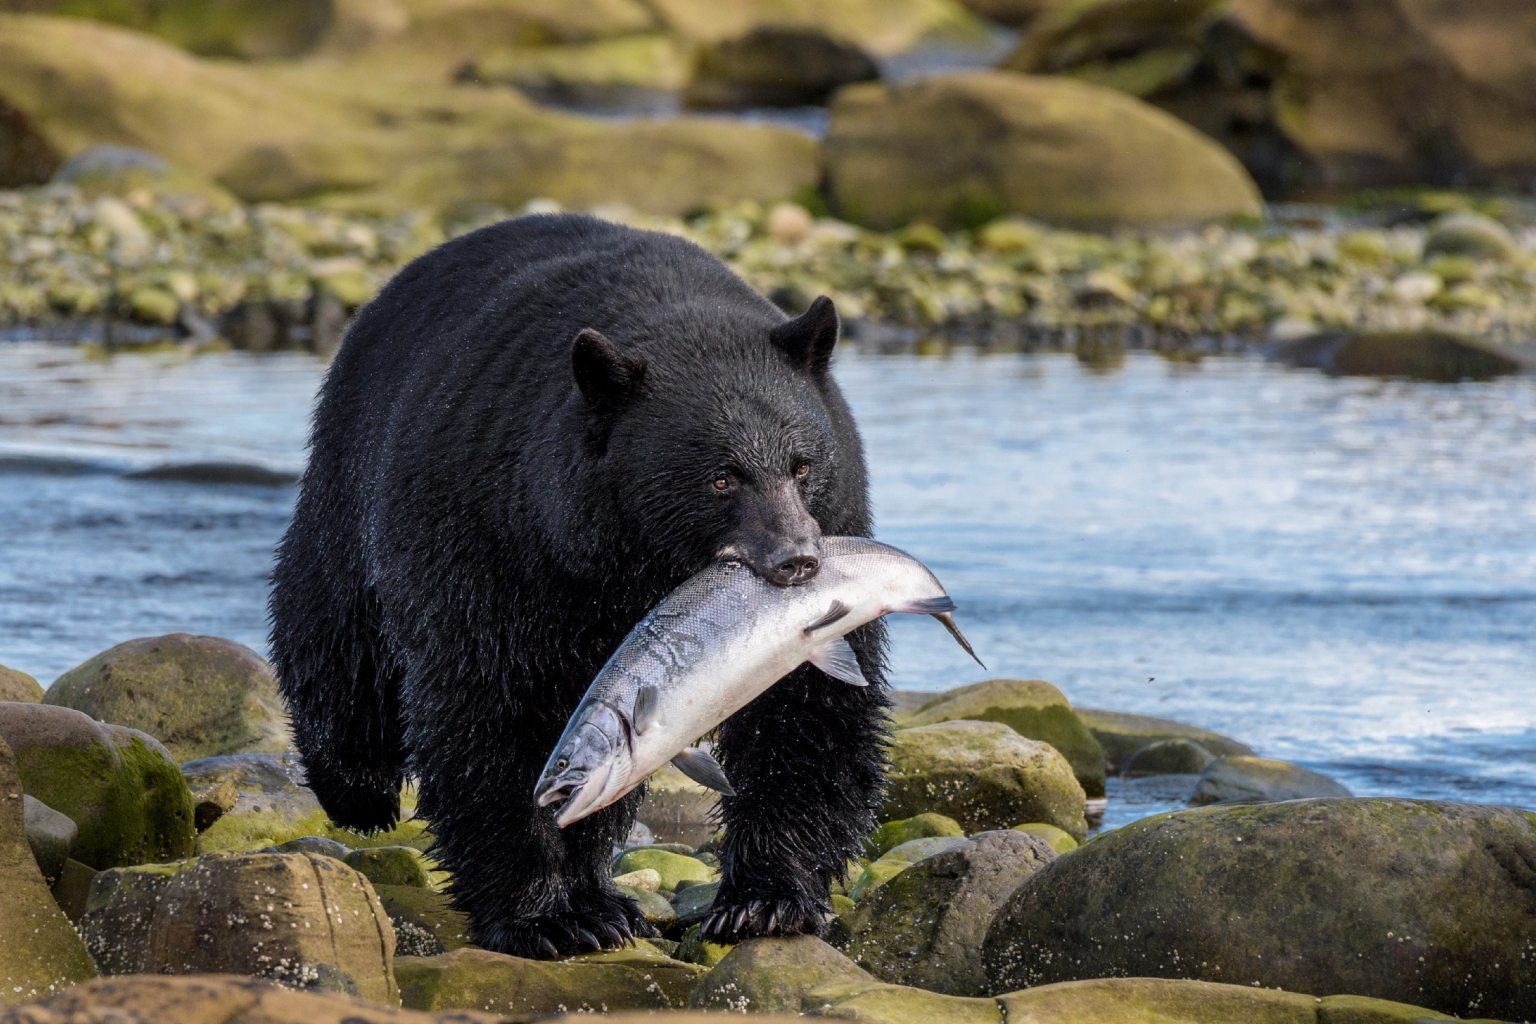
x,y
954,631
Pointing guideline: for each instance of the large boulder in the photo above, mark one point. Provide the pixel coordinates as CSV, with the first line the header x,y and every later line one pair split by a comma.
x,y
637,978
1171,757
1122,733
925,927
216,999
984,776
1393,899
1261,780
301,920
1033,708
1433,355
18,687
39,950
773,975
774,66
627,72
962,149
199,695
120,906
213,28
118,785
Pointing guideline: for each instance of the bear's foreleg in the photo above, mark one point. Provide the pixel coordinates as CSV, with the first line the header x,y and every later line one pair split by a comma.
x,y
806,760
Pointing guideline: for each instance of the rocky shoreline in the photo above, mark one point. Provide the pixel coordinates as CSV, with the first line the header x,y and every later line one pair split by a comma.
x,y
982,896
122,252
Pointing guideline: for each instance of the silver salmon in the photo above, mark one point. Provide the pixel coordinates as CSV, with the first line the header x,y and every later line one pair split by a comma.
x,y
707,650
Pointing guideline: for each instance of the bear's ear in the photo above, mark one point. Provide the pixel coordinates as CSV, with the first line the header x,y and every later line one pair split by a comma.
x,y
810,338
607,377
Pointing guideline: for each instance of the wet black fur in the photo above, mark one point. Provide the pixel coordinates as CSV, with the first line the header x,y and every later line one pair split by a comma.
x,y
475,534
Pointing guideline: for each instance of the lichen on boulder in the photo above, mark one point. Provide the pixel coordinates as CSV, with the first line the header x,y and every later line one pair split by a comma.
x,y
18,687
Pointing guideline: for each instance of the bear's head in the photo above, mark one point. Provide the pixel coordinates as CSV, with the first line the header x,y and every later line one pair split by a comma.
x,y
723,440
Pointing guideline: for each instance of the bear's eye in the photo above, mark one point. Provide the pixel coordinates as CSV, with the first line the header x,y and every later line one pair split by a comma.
x,y
802,471
722,482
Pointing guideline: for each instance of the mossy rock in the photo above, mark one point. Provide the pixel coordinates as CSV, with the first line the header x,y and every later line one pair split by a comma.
x,y
1470,234
248,29
1261,780
1033,708
672,867
695,950
1122,733
425,922
39,950
959,150
925,927
1393,899
1177,756
984,775
921,826
655,907
1054,837
390,865
606,72
898,859
638,978
880,1003
18,687
118,785
772,975
201,696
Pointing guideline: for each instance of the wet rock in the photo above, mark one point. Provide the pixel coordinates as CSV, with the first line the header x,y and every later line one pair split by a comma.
x,y
201,696
304,921
773,975
216,1000
1472,235
1161,999
648,879
1261,780
120,907
775,66
922,826
1169,757
389,865
655,907
425,922
676,809
984,776
1122,733
694,950
72,890
962,149
1052,836
283,28
18,687
118,785
51,836
271,806
896,860
1439,907
672,868
897,1004
317,845
1432,355
692,904
1033,708
638,978
925,926
39,951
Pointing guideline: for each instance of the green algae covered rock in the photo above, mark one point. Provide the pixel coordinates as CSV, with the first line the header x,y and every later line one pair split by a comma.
x,y
19,687
1393,899
984,775
1176,756
897,1004
118,785
695,950
773,975
1122,733
896,860
637,978
1053,837
390,865
39,950
1033,708
1261,780
199,695
425,922
921,826
672,867
925,926
653,906
1117,999
961,149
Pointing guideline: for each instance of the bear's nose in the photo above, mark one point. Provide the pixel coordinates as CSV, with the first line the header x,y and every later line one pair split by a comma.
x,y
796,568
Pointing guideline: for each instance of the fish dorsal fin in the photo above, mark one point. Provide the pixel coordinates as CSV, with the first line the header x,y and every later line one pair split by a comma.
x,y
699,766
647,708
837,611
837,660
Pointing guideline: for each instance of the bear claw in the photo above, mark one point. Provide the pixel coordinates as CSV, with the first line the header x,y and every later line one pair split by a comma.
x,y
727,924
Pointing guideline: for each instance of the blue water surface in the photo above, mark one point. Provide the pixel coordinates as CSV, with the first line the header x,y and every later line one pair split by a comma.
x,y
1338,572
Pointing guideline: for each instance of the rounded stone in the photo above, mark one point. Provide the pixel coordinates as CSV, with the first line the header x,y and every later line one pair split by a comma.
x,y
1261,780
672,868
775,66
19,687
390,865
1122,733
1170,757
1053,837
984,775
922,826
772,975
1414,901
1470,234
201,696
51,836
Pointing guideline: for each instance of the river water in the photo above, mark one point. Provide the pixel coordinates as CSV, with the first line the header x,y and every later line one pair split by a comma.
x,y
1340,572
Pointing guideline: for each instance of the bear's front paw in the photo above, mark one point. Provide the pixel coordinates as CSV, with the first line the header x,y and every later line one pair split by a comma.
x,y
549,936
733,920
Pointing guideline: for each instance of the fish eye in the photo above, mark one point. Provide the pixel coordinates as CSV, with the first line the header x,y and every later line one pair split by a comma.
x,y
563,763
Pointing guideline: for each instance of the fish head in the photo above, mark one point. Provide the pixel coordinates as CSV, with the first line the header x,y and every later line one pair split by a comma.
x,y
590,768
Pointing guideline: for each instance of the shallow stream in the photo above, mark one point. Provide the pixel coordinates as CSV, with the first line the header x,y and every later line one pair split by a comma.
x,y
1340,572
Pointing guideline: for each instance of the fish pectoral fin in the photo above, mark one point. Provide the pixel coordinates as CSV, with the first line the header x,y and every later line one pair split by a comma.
x,y
702,768
837,660
647,708
837,611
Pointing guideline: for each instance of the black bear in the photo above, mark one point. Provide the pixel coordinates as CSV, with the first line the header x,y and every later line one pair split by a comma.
x,y
533,434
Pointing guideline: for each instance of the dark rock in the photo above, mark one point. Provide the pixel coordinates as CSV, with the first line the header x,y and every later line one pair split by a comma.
x,y
1393,899
693,903
73,889
1261,780
1122,733
925,926
1169,757
51,836
1431,355
775,66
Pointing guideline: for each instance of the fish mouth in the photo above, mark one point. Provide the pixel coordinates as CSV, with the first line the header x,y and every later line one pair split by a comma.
x,y
556,790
